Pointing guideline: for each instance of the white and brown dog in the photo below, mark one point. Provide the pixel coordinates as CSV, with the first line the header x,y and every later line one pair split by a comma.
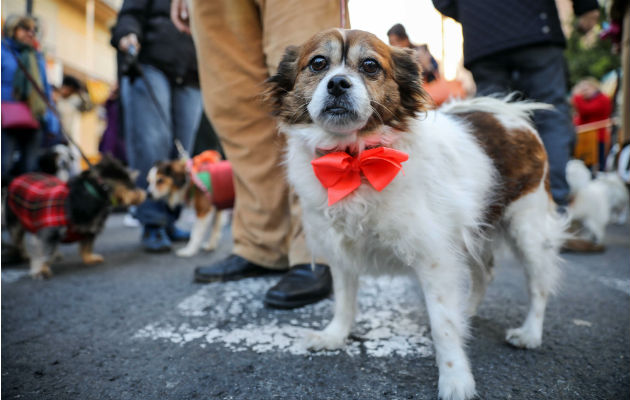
x,y
173,181
355,112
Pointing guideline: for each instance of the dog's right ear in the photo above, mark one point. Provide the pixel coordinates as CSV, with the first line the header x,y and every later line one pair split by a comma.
x,y
282,82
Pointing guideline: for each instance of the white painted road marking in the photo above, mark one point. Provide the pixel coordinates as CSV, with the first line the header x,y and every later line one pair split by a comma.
x,y
391,321
13,275
623,285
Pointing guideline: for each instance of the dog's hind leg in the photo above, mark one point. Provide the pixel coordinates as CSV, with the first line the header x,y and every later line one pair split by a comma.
x,y
345,285
16,232
200,227
443,285
215,233
536,233
203,211
45,244
481,273
86,251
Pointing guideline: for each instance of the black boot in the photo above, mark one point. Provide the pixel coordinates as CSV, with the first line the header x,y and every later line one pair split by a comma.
x,y
300,286
232,268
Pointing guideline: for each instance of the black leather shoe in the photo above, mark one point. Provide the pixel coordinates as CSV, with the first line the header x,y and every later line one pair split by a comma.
x,y
232,268
300,286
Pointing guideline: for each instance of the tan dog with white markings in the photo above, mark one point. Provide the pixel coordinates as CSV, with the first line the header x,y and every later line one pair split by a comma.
x,y
171,181
355,112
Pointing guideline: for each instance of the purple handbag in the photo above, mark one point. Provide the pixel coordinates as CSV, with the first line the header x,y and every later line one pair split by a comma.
x,y
17,115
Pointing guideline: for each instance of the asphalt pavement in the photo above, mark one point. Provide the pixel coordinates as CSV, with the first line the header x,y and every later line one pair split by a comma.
x,y
137,327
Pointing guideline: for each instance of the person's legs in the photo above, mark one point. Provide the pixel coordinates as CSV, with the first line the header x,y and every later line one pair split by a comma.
x,y
28,145
187,110
491,75
31,150
239,43
541,75
228,38
186,113
9,144
148,138
286,24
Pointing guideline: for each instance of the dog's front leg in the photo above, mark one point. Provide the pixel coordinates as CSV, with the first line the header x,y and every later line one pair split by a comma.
x,y
85,250
345,285
442,284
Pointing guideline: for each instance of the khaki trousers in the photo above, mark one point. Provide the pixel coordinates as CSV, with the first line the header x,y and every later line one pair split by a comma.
x,y
239,44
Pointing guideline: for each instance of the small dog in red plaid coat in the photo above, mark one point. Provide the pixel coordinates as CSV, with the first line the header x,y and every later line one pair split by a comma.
x,y
59,212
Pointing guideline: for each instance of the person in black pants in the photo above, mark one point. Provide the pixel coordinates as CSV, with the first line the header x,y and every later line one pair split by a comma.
x,y
512,45
168,64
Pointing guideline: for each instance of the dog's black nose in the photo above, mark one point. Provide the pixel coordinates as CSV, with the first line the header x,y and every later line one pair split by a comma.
x,y
338,84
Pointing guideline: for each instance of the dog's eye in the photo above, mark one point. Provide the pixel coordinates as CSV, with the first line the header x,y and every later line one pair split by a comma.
x,y
159,181
370,66
318,63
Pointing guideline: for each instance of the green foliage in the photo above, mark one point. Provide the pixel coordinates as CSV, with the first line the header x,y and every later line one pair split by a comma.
x,y
584,60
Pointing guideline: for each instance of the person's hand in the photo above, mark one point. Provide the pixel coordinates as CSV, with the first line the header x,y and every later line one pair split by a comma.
x,y
588,20
180,15
127,41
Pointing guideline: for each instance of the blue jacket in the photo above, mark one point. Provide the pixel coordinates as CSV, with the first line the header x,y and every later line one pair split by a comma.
x,y
10,66
491,26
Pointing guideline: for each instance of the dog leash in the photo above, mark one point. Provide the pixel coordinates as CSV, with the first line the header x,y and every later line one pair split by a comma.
x,y
48,103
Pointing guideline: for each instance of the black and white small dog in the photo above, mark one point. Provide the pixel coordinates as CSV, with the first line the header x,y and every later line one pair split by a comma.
x,y
59,212
59,161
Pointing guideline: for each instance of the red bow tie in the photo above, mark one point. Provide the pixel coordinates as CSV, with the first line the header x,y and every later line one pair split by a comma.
x,y
339,172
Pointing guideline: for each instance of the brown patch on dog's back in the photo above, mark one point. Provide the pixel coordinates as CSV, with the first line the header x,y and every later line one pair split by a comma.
x,y
518,155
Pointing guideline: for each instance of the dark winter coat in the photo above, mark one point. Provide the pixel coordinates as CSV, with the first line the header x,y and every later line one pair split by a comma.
x,y
161,44
491,26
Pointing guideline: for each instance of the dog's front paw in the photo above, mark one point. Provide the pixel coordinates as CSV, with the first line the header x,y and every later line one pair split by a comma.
x,y
186,252
523,338
456,385
93,259
322,340
43,273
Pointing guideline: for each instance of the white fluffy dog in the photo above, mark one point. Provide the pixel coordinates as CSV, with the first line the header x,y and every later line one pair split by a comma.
x,y
355,113
595,203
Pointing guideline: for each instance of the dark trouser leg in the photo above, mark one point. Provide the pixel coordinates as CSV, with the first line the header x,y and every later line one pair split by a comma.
x,y
538,73
542,77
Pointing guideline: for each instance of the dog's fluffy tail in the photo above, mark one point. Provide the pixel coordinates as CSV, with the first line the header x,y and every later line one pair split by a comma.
x,y
507,108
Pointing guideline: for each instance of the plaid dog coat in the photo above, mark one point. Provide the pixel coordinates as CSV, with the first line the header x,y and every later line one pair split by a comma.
x,y
40,201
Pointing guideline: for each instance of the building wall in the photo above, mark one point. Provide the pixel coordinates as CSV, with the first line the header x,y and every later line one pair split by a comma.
x,y
73,45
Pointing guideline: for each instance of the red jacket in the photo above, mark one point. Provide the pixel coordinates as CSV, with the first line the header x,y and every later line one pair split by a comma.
x,y
596,108
39,201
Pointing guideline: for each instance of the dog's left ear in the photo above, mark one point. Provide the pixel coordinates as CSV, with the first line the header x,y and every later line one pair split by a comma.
x,y
413,97
282,82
